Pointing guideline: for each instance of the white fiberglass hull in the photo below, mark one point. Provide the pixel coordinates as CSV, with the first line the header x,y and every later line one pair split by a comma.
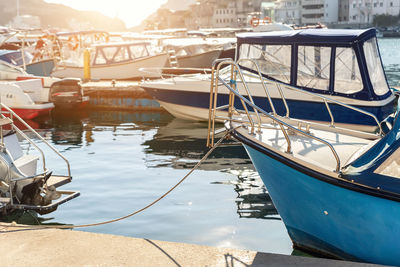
x,y
121,71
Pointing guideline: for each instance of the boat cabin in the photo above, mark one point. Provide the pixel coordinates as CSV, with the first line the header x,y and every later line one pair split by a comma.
x,y
326,61
114,53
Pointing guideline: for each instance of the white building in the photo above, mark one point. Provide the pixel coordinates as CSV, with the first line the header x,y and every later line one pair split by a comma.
x,y
344,11
363,11
225,16
25,22
288,11
323,11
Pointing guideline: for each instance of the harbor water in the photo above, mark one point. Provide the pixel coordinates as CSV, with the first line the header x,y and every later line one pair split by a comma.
x,y
122,161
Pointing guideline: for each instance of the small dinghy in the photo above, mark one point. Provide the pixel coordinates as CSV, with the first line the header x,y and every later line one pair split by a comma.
x,y
336,189
22,187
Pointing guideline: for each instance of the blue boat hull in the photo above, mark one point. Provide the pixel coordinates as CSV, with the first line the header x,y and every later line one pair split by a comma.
x,y
302,109
327,215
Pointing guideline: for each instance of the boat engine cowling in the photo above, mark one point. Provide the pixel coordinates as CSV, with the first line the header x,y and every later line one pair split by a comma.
x,y
66,92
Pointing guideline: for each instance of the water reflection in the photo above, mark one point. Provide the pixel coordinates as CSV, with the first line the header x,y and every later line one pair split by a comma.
x,y
185,142
253,200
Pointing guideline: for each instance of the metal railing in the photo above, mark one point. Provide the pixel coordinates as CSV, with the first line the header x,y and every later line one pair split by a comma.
x,y
325,99
159,71
247,102
13,115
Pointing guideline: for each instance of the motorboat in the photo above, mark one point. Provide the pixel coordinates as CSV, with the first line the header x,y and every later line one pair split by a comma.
x,y
64,93
336,189
24,60
115,61
24,98
344,65
196,52
23,184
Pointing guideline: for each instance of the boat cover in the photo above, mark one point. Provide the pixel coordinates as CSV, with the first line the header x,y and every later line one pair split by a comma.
x,y
307,36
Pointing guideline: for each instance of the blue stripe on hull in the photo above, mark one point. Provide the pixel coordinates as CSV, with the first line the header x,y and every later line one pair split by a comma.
x,y
325,217
298,109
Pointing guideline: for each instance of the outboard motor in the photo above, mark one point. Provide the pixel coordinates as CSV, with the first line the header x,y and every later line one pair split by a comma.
x,y
66,93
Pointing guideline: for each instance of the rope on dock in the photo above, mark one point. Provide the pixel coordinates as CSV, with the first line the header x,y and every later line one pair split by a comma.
x,y
39,227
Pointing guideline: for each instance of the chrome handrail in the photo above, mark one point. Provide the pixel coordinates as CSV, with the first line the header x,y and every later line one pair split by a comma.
x,y
258,110
37,135
262,82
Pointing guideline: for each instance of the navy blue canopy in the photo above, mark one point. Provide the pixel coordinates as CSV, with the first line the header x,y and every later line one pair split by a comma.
x,y
307,36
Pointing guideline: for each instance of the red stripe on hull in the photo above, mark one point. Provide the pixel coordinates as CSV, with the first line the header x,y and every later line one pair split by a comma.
x,y
28,114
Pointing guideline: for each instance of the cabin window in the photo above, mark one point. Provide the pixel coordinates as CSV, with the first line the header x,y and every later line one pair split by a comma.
x,y
138,51
313,67
100,59
109,52
374,66
122,54
273,60
347,73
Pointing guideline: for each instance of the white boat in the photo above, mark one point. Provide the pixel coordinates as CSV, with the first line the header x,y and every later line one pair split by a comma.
x,y
195,52
343,76
115,61
24,98
24,185
67,93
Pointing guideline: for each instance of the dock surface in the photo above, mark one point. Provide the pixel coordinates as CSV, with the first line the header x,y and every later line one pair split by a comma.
x,y
53,247
119,95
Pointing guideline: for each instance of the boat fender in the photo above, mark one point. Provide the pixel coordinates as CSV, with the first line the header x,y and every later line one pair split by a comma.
x,y
73,42
254,22
267,20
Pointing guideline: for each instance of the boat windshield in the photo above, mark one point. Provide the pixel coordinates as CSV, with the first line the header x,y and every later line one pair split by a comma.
x,y
16,59
374,66
273,60
118,53
313,67
347,72
139,51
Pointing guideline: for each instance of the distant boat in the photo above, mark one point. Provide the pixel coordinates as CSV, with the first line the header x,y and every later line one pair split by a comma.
x,y
13,95
196,52
115,61
66,93
18,58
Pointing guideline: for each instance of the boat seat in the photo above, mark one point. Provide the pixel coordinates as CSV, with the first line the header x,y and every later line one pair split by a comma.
x,y
27,164
12,144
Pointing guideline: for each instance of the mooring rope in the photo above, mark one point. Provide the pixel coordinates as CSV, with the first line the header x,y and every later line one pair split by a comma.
x,y
39,227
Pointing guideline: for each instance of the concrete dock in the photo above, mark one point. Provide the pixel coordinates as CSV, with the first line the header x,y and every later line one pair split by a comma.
x,y
53,247
119,95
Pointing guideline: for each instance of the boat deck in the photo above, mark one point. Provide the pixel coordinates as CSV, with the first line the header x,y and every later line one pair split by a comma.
x,y
311,150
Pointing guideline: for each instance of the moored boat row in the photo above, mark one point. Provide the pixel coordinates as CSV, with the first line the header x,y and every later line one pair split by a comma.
x,y
314,111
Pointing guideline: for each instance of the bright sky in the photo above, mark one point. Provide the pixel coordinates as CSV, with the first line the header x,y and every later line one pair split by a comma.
x,y
132,12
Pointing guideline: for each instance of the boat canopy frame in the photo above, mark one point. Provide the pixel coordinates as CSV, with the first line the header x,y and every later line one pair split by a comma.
x,y
100,52
320,39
